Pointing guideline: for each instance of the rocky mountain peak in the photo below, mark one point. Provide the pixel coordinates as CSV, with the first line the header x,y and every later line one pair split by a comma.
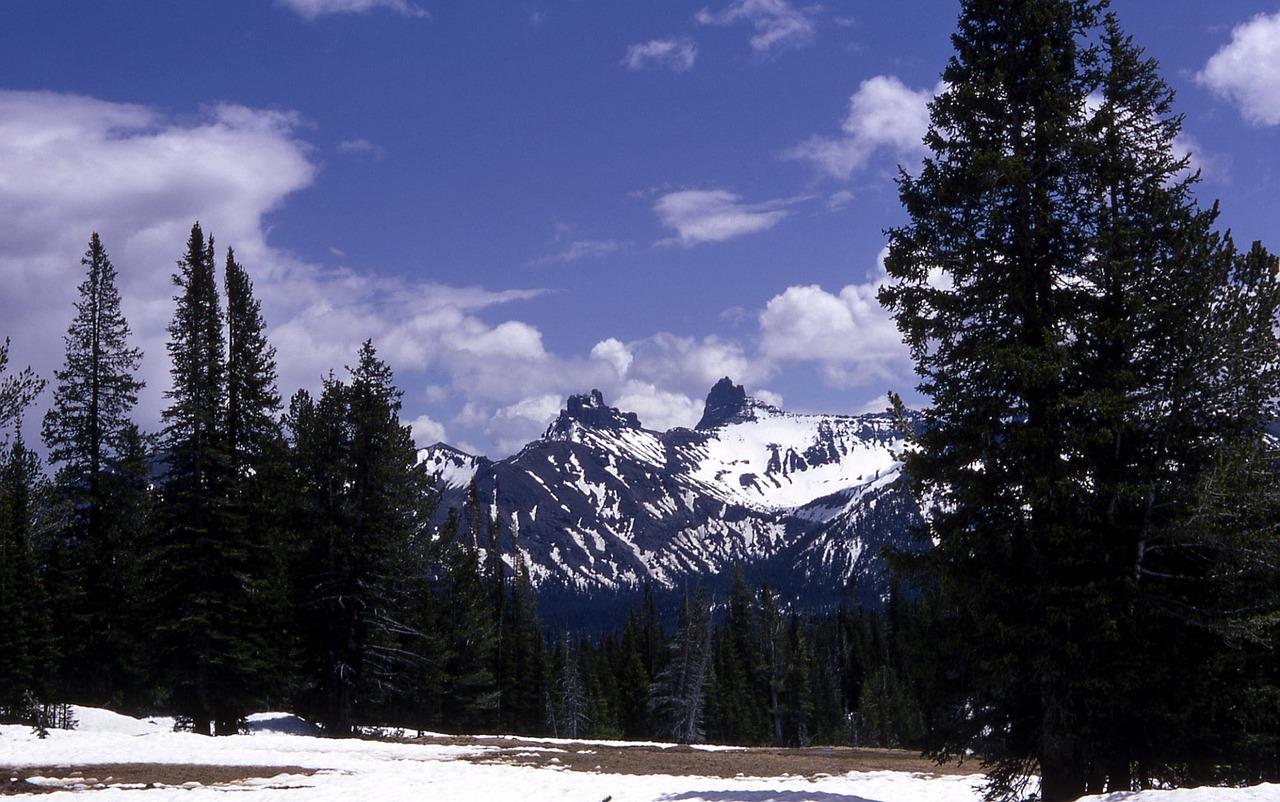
x,y
726,403
590,411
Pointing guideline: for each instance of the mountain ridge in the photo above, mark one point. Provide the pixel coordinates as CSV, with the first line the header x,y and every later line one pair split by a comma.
x,y
599,505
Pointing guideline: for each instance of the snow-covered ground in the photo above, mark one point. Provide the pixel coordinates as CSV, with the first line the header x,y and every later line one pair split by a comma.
x,y
371,771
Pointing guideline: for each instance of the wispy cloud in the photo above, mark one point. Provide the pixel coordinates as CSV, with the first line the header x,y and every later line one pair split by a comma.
x,y
715,215
777,23
361,150
677,54
581,249
884,115
1247,69
314,9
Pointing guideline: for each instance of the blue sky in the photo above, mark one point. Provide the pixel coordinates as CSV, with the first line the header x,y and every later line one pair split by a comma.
x,y
524,199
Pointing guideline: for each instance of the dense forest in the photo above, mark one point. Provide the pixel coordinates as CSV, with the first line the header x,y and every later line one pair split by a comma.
x,y
252,556
1094,609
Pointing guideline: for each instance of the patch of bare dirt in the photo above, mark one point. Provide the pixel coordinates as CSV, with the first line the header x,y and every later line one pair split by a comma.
x,y
687,761
17,780
619,758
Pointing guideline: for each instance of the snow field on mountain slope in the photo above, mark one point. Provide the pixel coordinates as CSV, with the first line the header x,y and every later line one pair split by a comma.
x,y
746,448
373,771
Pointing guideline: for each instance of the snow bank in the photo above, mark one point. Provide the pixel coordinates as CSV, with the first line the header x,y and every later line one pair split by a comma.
x,y
372,771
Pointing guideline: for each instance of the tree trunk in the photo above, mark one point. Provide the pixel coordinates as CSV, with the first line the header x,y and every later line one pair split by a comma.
x,y
1064,774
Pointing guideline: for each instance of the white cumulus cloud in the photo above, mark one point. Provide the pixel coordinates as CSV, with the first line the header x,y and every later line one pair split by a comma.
x,y
659,409
715,215
676,53
427,432
513,426
848,335
1247,69
884,115
613,352
777,23
692,365
71,165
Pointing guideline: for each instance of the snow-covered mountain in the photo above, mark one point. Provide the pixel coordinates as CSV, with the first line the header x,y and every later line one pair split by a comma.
x,y
601,506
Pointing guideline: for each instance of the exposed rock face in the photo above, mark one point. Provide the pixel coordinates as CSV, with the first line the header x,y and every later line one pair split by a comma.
x,y
602,506
589,411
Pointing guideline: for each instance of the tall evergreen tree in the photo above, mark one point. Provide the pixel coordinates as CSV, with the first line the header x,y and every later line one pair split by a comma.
x,y
525,662
210,575
89,434
470,643
740,697
633,681
27,649
257,478
678,696
191,574
252,400
367,506
1082,337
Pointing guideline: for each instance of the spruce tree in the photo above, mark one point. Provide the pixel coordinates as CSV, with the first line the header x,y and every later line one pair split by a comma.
x,y
470,644
193,639
525,667
633,683
1087,344
366,504
741,691
257,476
678,695
252,400
212,574
27,649
88,433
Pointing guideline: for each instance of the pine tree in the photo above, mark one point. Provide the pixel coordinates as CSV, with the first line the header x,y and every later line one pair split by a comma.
x,y
798,685
189,568
525,667
1087,344
740,696
210,575
88,432
773,659
27,649
17,391
633,683
573,716
365,506
253,402
678,695
257,479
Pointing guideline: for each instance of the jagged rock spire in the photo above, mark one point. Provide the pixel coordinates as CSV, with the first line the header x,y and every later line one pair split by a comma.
x,y
726,403
590,411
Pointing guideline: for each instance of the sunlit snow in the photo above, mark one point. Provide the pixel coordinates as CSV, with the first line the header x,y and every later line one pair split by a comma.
x,y
378,770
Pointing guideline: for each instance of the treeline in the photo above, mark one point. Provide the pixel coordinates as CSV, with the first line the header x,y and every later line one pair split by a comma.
x,y
744,671
255,555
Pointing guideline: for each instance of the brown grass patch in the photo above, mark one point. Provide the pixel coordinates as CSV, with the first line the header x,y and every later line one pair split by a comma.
x,y
16,780
687,761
